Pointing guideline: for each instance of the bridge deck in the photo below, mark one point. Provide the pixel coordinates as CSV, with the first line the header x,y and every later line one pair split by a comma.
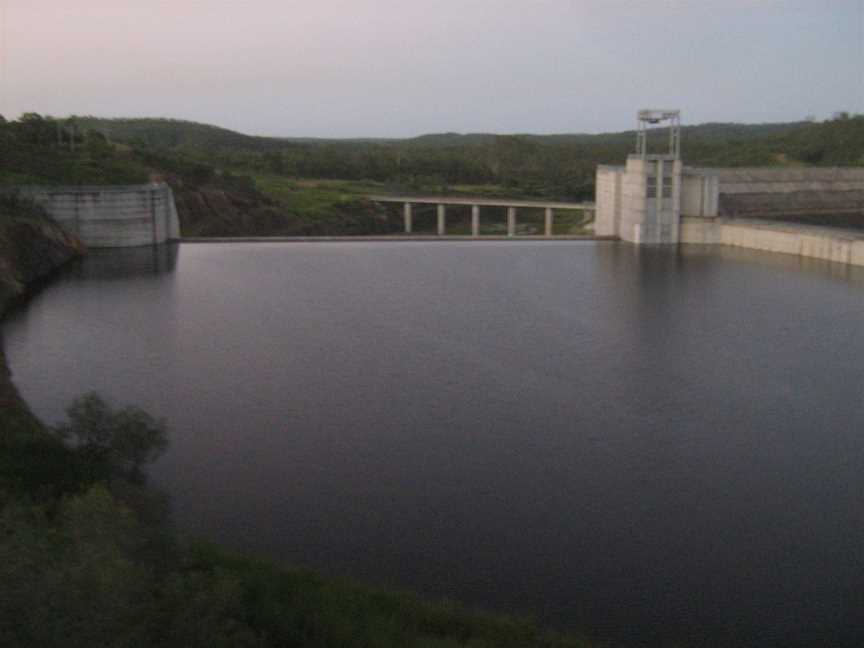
x,y
393,238
481,202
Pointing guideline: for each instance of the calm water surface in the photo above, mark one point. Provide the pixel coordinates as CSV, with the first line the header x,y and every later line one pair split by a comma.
x,y
649,445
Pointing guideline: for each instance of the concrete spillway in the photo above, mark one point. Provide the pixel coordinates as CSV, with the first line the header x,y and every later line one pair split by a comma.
x,y
112,216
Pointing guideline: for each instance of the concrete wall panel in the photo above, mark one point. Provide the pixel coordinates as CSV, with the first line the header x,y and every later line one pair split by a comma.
x,y
856,253
608,200
837,246
771,192
116,216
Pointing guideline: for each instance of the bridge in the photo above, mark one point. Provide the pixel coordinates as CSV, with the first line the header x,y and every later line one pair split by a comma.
x,y
512,207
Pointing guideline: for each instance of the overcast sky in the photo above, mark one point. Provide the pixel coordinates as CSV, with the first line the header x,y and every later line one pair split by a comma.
x,y
340,68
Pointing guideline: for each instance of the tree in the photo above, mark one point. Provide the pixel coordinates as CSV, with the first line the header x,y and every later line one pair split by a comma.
x,y
113,443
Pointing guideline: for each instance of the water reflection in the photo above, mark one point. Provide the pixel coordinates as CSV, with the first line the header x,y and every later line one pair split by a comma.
x,y
126,263
784,262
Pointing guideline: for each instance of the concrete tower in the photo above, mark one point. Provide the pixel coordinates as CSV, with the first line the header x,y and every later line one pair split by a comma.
x,y
641,203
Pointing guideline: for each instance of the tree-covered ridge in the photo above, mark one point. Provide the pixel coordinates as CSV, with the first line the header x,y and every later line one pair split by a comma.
x,y
170,133
39,150
535,165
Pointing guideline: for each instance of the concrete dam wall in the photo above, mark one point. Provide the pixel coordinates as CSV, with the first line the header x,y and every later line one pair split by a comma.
x,y
771,193
656,200
629,203
112,216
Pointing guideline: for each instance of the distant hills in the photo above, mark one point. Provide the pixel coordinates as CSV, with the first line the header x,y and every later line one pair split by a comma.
x,y
174,133
560,166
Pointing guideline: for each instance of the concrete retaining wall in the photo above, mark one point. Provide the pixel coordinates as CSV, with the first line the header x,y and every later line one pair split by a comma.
x,y
829,244
112,216
700,193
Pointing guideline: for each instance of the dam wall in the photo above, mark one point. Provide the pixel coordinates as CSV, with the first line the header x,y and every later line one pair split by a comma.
x,y
655,199
111,216
826,243
772,193
744,207
730,193
741,207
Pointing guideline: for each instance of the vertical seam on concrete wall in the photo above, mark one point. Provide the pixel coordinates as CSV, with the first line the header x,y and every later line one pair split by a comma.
x,y
153,214
165,202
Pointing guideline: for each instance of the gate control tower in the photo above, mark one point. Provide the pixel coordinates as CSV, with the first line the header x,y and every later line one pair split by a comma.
x,y
646,195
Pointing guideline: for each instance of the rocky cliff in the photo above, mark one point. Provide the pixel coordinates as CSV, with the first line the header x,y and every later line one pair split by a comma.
x,y
220,209
31,248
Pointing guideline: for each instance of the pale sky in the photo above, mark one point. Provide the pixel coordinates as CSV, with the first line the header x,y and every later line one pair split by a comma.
x,y
396,68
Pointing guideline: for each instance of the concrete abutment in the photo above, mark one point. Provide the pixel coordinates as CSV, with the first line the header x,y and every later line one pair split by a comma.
x,y
111,216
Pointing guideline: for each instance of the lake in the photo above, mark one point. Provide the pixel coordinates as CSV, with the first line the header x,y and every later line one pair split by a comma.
x,y
650,445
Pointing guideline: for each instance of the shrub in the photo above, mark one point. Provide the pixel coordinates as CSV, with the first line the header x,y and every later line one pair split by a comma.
x,y
113,443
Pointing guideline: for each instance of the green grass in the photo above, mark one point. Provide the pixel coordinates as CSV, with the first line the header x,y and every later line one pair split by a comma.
x,y
15,178
321,198
334,612
572,222
313,197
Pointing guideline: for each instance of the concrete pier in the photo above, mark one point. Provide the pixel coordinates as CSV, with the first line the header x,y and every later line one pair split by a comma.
x,y
511,207
407,213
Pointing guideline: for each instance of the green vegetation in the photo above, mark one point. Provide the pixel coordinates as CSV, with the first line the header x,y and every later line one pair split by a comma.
x,y
229,184
39,150
554,166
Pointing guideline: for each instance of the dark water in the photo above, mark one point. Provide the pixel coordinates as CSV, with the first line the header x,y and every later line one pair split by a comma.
x,y
649,445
